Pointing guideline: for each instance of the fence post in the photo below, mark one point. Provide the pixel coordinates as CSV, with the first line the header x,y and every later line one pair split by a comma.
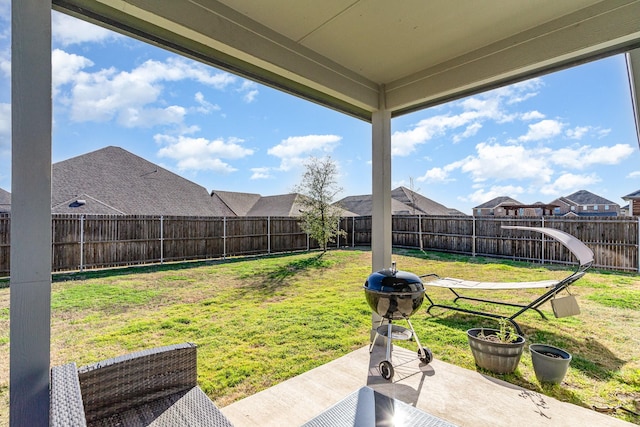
x,y
473,237
81,242
353,231
543,243
268,234
161,239
224,237
420,230
308,243
638,241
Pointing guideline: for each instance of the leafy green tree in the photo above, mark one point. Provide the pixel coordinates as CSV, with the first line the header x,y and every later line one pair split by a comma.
x,y
319,217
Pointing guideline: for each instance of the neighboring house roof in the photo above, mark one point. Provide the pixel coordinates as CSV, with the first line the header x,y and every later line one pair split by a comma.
x,y
363,205
281,205
494,203
114,180
632,196
403,202
238,203
5,201
418,203
584,197
85,204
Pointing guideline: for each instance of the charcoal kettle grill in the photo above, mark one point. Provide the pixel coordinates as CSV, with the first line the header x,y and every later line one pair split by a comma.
x,y
395,295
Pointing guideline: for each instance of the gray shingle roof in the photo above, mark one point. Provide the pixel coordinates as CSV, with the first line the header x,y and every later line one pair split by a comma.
x,y
239,203
584,197
634,195
280,205
403,202
498,201
363,205
419,202
114,180
5,200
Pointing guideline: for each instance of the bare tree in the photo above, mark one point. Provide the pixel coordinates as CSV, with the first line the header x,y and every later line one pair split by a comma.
x,y
319,186
412,196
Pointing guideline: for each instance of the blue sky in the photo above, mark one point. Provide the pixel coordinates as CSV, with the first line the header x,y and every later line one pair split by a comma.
x,y
533,141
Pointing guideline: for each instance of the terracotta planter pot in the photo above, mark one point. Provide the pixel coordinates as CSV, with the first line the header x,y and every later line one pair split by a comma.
x,y
549,363
501,358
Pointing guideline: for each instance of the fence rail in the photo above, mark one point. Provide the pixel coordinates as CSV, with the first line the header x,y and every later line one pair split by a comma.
x,y
97,241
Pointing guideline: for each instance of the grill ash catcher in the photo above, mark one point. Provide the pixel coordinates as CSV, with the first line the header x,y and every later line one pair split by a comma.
x,y
395,295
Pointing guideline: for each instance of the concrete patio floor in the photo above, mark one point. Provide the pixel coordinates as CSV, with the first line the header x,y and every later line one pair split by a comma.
x,y
461,396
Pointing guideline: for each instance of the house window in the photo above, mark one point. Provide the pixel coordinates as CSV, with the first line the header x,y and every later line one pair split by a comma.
x,y
606,207
585,207
595,207
479,211
556,210
573,208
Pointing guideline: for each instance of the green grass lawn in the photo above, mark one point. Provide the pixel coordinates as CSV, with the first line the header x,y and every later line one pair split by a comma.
x,y
260,321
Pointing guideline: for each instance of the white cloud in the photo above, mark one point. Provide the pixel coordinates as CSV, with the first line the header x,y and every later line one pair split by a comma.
x,y
5,126
505,162
475,111
68,30
482,195
435,175
294,150
250,90
532,115
261,173
470,131
569,183
545,129
295,146
583,157
205,107
132,99
200,153
66,66
5,62
633,175
578,132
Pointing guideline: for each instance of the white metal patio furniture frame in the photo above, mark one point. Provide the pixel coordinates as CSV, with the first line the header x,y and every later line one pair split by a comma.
x,y
583,254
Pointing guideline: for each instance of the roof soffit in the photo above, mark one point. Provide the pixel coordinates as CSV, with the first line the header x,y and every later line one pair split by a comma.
x,y
343,53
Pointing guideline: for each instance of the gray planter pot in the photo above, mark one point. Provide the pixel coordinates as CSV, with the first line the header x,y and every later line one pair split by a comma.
x,y
501,358
549,369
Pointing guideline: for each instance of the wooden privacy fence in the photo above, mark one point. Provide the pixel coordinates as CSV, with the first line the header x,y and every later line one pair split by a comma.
x,y
614,240
98,241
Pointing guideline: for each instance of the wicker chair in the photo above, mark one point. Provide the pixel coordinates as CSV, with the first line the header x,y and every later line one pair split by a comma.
x,y
154,387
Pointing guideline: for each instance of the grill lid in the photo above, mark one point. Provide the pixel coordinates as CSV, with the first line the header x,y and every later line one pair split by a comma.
x,y
392,280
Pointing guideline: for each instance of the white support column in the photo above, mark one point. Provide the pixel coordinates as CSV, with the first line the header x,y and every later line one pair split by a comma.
x,y
30,286
381,187
633,70
381,194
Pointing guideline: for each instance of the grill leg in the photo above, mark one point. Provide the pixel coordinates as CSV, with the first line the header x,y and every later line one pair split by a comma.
x,y
375,338
389,341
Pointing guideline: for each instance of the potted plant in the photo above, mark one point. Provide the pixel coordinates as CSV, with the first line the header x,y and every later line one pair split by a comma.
x,y
550,363
496,350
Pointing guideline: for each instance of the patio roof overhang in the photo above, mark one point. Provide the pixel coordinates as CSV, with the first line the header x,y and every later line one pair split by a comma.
x,y
371,59
345,54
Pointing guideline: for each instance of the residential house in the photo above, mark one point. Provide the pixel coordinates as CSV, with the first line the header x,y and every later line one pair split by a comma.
x,y
495,207
5,201
403,202
585,203
114,181
634,203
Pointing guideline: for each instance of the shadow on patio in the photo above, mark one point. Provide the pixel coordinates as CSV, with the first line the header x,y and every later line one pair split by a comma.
x,y
459,396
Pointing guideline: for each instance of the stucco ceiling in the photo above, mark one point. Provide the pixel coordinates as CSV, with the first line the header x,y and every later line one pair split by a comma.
x,y
359,55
